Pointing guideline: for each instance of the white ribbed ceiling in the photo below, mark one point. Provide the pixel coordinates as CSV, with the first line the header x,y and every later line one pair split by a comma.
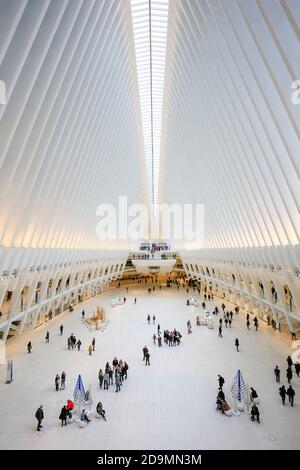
x,y
230,134
71,133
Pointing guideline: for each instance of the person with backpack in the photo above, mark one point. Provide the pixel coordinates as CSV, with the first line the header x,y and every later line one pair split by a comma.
x,y
39,416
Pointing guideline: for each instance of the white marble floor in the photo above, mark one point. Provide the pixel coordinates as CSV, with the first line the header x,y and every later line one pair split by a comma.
x,y
169,405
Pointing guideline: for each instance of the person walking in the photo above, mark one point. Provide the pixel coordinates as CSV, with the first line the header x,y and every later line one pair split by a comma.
x,y
153,319
297,368
254,413
100,377
63,415
39,416
82,315
289,361
148,319
221,382
248,324
47,337
289,374
135,300
277,374
61,329
229,322
237,344
220,332
110,376
154,338
29,347
93,343
291,393
63,380
158,328
159,341
78,344
282,393
147,358
57,380
90,349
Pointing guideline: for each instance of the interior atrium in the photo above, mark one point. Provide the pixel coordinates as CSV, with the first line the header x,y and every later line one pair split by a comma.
x,y
149,166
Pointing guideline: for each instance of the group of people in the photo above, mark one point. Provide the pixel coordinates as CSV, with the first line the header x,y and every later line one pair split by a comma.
x,y
172,337
290,392
114,374
60,381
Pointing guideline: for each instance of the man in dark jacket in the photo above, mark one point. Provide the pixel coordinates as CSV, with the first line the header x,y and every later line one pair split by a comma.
x,y
39,416
277,374
282,393
289,374
291,393
221,382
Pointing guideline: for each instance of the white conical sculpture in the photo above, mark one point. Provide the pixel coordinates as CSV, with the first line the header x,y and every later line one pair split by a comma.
x,y
239,393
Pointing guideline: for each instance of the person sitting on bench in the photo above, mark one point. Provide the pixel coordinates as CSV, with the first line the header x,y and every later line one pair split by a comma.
x,y
84,416
100,410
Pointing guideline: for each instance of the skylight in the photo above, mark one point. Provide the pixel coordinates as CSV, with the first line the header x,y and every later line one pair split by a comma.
x,y
150,22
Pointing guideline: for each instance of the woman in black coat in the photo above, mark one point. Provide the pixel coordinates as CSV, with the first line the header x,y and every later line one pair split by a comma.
x,y
63,416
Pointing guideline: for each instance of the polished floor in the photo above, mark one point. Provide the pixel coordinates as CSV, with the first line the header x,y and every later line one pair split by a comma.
x,y
169,405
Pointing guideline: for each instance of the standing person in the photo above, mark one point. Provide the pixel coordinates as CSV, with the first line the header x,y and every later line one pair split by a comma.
x,y
63,380
159,341
248,316
105,380
277,374
229,321
255,323
117,382
289,374
226,322
110,376
125,367
135,300
93,344
248,323
221,381
297,368
57,380
82,315
100,377
282,393
291,393
39,416
237,344
63,415
78,345
145,350
61,329
90,349
29,347
47,337
148,319
147,358
158,328
220,332
289,361
153,319
154,338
